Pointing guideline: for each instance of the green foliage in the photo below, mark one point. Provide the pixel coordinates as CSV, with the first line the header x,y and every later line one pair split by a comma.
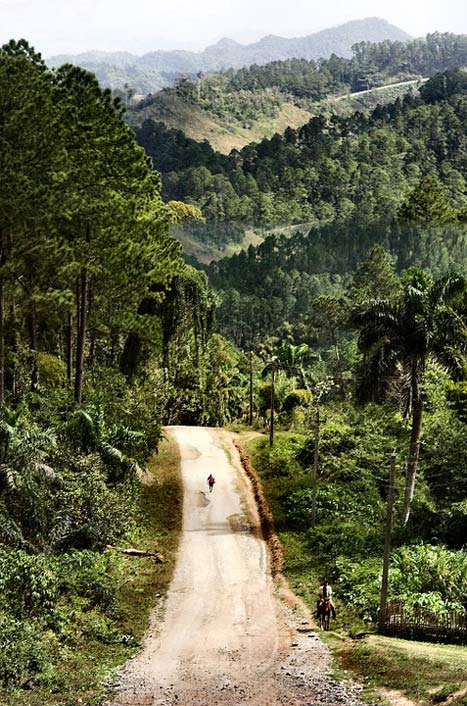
x,y
324,171
360,584
51,370
26,654
423,576
297,398
428,203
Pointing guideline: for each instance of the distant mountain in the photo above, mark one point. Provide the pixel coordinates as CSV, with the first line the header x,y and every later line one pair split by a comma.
x,y
152,71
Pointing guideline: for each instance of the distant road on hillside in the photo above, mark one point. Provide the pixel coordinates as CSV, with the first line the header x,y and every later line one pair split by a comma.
x,y
379,88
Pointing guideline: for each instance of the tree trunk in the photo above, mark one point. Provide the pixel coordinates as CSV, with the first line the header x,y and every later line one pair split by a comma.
x,y
412,464
339,376
2,343
339,373
92,330
33,345
113,346
92,348
3,259
81,334
69,348
133,347
14,349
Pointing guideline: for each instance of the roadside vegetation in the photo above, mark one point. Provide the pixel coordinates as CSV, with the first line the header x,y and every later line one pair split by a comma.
x,y
69,619
343,387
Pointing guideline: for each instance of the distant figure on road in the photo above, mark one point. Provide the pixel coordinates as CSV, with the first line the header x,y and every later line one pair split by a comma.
x,y
211,481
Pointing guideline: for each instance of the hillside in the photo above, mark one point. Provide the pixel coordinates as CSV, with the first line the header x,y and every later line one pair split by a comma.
x,y
224,132
335,352
235,108
357,168
153,70
243,124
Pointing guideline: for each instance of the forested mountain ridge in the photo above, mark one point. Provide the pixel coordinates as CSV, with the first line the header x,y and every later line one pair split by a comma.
x,y
226,120
358,168
237,107
282,281
156,69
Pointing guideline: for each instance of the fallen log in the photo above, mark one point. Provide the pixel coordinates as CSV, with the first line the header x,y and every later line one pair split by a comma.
x,y
137,552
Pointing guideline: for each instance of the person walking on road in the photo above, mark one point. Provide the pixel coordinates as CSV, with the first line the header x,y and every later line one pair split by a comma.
x,y
211,481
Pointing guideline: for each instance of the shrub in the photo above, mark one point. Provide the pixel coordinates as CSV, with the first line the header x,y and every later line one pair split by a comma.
x,y
29,584
296,398
422,576
51,370
25,652
348,537
283,456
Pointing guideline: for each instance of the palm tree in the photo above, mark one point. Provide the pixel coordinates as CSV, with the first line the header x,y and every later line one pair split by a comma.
x,y
292,358
398,337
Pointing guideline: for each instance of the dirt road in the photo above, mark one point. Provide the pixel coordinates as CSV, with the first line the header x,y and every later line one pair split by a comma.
x,y
356,94
226,637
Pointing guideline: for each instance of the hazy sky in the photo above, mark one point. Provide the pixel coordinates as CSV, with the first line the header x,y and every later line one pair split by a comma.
x,y
56,26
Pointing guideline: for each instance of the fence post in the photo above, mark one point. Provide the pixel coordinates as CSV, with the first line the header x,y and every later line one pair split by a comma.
x,y
387,545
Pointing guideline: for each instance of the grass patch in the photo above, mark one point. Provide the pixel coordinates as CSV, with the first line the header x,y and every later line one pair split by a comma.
x,y
422,671
106,641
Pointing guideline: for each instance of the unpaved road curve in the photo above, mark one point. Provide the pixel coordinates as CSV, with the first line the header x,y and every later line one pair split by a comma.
x,y
226,637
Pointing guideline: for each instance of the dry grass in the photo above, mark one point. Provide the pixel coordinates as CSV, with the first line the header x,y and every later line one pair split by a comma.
x,y
223,135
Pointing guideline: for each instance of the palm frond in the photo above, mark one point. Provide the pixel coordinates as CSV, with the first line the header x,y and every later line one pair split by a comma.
x,y
110,453
134,467
447,288
10,531
11,477
372,310
377,372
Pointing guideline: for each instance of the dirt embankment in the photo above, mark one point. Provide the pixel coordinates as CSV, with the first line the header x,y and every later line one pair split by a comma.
x,y
275,548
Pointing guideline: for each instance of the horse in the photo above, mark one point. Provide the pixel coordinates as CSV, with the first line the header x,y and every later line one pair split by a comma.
x,y
324,613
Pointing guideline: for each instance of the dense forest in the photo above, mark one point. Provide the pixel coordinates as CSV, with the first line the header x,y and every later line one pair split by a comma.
x,y
281,279
306,82
96,304
338,169
372,64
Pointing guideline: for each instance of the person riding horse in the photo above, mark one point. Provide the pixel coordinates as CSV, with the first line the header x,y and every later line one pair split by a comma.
x,y
325,596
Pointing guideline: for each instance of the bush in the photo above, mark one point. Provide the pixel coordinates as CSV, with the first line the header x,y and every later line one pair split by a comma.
x,y
51,370
329,540
422,576
359,584
88,513
297,398
29,584
25,652
283,456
